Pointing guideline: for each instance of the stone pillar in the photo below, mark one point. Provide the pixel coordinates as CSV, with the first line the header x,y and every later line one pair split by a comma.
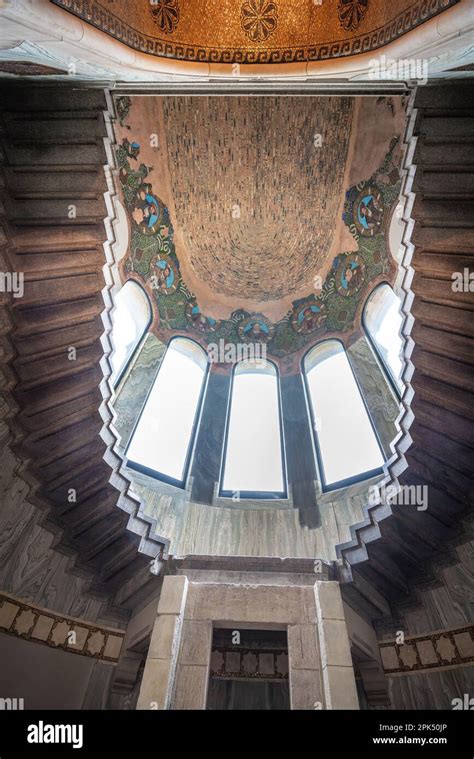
x,y
206,464
306,688
157,686
192,677
338,679
375,684
299,449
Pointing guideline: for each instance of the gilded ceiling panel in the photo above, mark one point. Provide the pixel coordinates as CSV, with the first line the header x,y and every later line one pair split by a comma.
x,y
255,31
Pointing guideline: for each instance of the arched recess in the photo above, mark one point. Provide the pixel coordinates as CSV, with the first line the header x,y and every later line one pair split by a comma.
x,y
162,440
253,462
131,318
346,442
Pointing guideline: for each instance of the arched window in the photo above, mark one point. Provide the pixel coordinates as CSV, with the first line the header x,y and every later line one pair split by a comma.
x,y
346,444
253,464
161,442
382,320
130,320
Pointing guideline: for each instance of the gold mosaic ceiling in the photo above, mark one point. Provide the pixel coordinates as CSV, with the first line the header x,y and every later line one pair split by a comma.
x,y
255,31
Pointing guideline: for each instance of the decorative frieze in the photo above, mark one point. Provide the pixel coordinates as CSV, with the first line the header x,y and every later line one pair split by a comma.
x,y
34,623
442,649
255,31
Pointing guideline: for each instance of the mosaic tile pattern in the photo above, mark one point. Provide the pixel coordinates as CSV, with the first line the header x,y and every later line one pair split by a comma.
x,y
268,189
352,13
255,31
153,261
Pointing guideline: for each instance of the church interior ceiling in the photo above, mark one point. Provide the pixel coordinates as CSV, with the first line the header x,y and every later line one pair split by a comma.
x,y
247,224
255,31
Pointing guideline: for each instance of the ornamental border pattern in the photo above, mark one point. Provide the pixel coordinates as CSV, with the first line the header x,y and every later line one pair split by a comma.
x,y
107,22
30,622
441,649
152,246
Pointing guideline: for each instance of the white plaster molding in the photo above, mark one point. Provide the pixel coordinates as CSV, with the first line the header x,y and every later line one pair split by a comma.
x,y
444,40
151,543
368,530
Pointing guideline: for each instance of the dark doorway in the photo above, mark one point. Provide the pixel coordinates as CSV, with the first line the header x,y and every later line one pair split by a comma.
x,y
249,670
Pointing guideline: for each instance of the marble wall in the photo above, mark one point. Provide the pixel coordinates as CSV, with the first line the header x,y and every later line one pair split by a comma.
x,y
431,690
30,567
133,389
47,678
450,603
378,394
446,605
196,528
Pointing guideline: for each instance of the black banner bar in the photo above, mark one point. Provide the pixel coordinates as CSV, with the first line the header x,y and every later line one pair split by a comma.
x,y
138,733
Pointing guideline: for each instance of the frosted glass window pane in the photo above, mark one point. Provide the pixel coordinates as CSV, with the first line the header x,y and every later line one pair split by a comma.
x,y
163,435
254,450
347,443
130,319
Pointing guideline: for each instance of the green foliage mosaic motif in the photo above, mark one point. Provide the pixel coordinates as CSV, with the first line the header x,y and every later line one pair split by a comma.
x,y
331,308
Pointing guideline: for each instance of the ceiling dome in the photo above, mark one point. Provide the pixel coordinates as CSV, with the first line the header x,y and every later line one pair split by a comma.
x,y
255,31
258,218
257,188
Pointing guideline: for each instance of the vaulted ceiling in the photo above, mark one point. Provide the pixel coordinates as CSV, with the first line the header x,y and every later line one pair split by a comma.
x,y
259,217
256,190
255,31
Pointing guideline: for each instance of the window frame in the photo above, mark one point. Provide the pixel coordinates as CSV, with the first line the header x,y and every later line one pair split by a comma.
x,y
115,382
155,473
261,495
356,478
387,372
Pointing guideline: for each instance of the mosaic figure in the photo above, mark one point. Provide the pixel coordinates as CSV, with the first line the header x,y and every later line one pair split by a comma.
x,y
132,149
122,106
308,315
368,211
165,277
350,273
151,209
197,319
256,328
